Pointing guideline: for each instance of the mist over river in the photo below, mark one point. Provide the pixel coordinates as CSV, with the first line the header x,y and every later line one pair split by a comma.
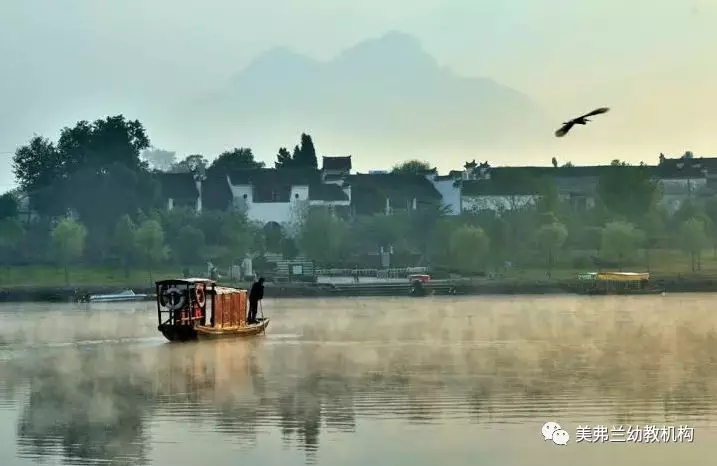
x,y
437,380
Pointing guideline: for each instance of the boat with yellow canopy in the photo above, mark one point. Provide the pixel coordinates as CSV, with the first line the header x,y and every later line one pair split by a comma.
x,y
615,283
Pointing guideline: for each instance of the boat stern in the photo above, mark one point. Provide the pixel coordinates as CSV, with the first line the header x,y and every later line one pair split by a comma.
x,y
178,332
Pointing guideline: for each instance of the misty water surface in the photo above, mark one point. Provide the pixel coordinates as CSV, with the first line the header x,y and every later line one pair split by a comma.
x,y
452,381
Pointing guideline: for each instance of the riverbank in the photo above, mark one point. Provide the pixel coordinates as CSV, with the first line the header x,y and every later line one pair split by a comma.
x,y
678,283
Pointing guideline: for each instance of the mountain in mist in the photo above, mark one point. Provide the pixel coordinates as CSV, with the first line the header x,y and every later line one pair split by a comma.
x,y
383,94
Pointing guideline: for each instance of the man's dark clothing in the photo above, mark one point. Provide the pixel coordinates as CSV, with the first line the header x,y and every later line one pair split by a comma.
x,y
256,294
253,306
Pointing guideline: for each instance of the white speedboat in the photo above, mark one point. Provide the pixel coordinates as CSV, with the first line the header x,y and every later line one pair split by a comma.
x,y
122,296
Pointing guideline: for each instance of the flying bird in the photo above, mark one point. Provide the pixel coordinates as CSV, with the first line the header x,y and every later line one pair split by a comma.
x,y
581,120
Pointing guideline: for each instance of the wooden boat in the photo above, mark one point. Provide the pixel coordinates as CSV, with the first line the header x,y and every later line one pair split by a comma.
x,y
614,283
197,309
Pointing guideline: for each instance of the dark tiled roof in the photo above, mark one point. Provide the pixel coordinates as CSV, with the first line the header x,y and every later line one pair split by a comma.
x,y
685,168
709,163
369,192
216,193
177,186
336,163
267,177
396,185
558,172
268,182
327,192
527,180
509,181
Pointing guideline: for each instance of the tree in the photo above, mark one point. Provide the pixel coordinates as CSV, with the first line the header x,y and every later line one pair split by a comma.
x,y
374,232
304,155
283,158
68,241
190,164
159,159
627,190
412,167
322,236
307,153
101,197
150,243
189,245
295,157
620,241
548,199
78,172
468,248
501,239
688,208
693,239
550,238
288,248
238,234
273,236
653,224
103,142
711,212
423,223
8,206
240,158
125,242
37,166
11,234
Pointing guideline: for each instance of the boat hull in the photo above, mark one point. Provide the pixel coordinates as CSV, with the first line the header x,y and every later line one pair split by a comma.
x,y
119,299
201,332
649,291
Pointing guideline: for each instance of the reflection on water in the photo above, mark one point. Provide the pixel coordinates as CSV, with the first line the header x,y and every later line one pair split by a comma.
x,y
462,381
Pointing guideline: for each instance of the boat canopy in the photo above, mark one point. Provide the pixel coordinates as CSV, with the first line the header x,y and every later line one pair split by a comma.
x,y
186,281
615,276
221,290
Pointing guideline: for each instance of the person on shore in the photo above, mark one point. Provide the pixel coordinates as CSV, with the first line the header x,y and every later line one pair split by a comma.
x,y
256,294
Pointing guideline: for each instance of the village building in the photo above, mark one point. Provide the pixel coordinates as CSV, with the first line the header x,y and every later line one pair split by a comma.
x,y
180,190
506,188
275,196
510,188
685,177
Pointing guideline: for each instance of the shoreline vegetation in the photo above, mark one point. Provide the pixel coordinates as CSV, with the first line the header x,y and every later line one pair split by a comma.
x,y
67,232
46,284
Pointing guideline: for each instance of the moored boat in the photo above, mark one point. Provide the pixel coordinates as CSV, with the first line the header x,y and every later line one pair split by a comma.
x,y
197,309
122,296
614,283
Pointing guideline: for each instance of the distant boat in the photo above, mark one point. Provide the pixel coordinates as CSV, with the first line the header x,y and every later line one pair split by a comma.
x,y
610,283
122,296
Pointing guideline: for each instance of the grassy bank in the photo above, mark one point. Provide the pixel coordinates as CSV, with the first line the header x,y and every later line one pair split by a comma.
x,y
43,276
662,263
673,269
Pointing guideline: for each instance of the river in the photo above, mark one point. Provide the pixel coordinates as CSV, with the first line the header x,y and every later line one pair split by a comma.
x,y
438,380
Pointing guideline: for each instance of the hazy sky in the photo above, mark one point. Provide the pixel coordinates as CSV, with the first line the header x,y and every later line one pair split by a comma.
x,y
652,61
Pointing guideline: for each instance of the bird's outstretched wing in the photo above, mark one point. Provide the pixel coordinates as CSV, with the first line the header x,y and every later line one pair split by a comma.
x,y
564,129
597,111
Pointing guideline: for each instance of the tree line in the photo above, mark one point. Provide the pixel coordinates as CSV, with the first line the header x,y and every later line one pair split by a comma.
x,y
94,185
98,204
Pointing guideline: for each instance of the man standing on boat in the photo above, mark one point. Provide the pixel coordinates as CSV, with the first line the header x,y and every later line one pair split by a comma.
x,y
256,294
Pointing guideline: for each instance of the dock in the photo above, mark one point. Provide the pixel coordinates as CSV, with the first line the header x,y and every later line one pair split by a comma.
x,y
386,288
360,282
